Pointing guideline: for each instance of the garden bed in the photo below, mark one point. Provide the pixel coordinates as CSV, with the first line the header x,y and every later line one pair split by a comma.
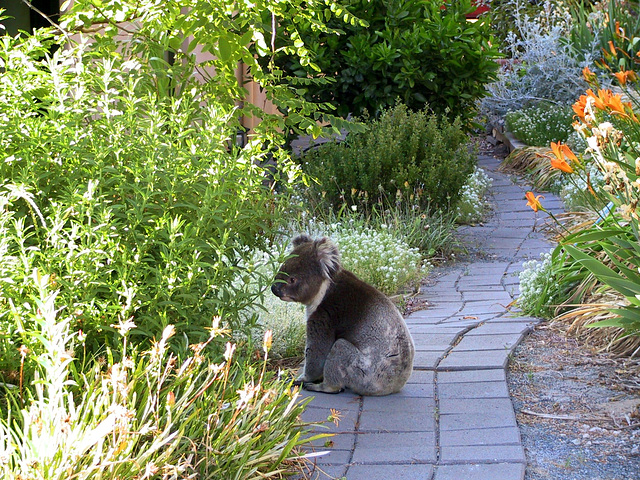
x,y
577,408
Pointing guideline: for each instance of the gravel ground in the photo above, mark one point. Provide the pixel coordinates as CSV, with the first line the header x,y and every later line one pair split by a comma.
x,y
578,409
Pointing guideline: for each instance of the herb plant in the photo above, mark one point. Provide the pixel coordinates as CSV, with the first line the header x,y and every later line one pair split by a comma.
x,y
415,158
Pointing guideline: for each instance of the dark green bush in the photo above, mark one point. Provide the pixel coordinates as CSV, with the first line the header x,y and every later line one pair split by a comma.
x,y
422,52
417,158
504,16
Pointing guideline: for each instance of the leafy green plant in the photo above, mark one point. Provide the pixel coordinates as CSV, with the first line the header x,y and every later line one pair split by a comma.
x,y
614,26
612,254
170,34
136,202
541,124
430,231
404,157
379,57
505,14
610,247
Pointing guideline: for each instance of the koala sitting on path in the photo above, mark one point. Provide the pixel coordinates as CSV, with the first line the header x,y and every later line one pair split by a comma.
x,y
356,337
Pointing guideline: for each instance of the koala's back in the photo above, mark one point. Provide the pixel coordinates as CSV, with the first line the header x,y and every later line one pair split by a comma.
x,y
355,306
365,317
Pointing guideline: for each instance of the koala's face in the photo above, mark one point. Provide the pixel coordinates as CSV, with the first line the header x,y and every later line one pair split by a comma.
x,y
302,277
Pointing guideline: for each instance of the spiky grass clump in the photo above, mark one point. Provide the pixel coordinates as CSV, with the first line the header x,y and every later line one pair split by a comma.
x,y
533,163
145,414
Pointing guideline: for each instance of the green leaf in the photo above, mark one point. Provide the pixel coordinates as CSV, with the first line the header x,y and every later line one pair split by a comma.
x,y
605,274
628,319
225,49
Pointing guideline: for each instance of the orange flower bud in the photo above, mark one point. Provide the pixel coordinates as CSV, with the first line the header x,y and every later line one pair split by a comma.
x,y
588,75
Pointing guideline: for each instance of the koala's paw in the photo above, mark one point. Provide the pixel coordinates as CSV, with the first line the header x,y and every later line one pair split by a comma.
x,y
321,387
302,379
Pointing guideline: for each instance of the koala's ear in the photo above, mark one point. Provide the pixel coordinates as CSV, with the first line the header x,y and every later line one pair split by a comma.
x,y
328,256
300,239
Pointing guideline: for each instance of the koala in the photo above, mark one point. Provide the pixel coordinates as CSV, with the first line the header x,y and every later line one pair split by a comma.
x,y
356,337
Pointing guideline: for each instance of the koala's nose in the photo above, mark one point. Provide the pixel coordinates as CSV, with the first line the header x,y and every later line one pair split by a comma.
x,y
275,289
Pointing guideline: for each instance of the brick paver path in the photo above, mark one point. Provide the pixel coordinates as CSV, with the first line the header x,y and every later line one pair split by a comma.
x,y
454,419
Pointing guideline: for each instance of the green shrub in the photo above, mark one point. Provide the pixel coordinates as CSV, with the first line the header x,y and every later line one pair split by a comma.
x,y
135,202
607,23
541,124
404,157
416,51
505,15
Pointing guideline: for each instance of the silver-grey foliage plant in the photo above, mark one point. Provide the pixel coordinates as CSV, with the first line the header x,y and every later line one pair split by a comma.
x,y
542,65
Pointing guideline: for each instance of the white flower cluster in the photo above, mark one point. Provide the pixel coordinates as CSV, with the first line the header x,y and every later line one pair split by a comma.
x,y
535,276
538,125
378,257
471,206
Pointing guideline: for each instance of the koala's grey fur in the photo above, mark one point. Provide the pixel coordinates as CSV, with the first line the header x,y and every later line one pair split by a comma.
x,y
356,338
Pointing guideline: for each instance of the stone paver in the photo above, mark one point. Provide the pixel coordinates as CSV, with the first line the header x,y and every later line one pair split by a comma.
x,y
454,419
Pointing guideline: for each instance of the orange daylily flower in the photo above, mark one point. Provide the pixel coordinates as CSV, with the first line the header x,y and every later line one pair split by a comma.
x,y
561,165
626,76
580,106
612,48
598,99
620,33
607,99
561,151
616,105
534,201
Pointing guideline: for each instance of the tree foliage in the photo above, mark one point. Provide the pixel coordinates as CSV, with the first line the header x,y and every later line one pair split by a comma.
x,y
229,32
